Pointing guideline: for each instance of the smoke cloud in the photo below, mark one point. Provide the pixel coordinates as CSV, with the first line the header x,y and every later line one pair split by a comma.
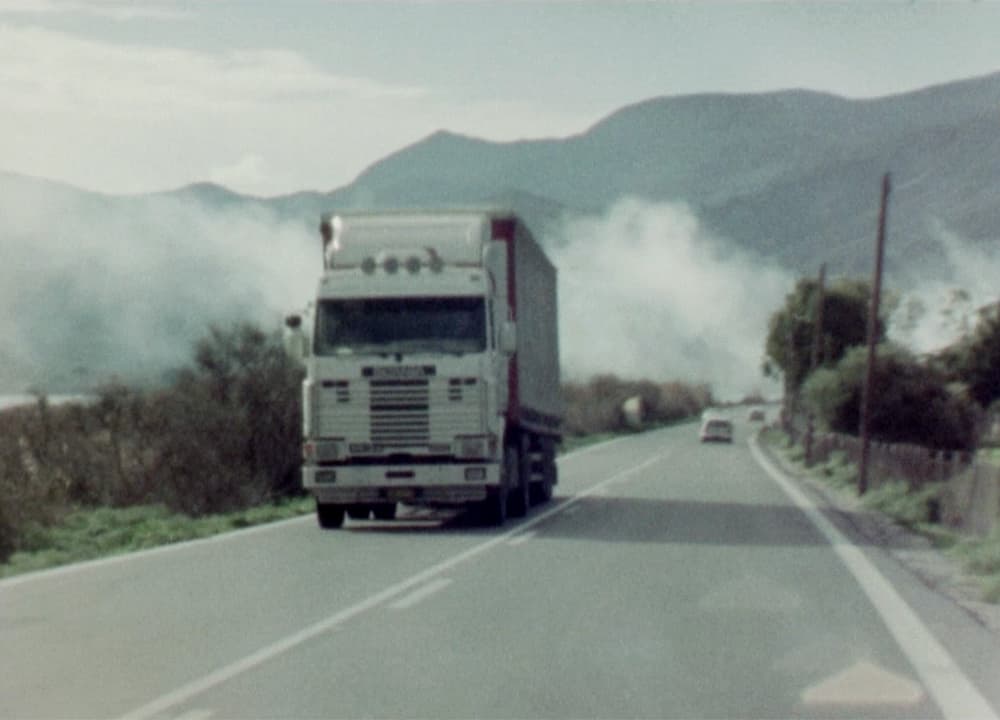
x,y
89,291
645,292
93,287
942,306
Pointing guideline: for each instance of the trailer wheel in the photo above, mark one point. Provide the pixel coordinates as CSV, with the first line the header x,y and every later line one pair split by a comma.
x,y
329,516
384,511
542,491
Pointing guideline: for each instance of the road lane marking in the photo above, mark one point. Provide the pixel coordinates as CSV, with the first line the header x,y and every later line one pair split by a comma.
x,y
522,538
184,693
408,601
864,684
953,692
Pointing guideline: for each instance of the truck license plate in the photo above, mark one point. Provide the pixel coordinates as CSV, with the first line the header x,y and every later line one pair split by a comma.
x,y
400,494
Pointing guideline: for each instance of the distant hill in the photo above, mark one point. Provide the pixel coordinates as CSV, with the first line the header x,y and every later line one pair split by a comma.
x,y
94,284
794,175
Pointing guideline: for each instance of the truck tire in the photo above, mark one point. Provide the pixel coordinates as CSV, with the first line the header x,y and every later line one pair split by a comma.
x,y
329,516
384,511
494,509
495,506
542,490
520,489
358,512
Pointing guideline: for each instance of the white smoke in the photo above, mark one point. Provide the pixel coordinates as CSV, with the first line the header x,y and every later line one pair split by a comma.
x,y
645,292
91,291
936,311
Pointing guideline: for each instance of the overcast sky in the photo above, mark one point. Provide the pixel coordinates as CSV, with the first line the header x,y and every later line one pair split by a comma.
x,y
274,97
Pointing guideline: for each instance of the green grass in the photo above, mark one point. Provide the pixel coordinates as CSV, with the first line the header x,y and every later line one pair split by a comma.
x,y
981,557
894,498
838,471
90,534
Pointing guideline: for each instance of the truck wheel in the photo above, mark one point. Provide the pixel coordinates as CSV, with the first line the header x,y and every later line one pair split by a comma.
x,y
358,512
494,509
384,511
518,468
542,491
329,516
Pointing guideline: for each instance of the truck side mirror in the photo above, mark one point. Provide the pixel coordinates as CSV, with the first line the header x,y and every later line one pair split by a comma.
x,y
296,343
508,338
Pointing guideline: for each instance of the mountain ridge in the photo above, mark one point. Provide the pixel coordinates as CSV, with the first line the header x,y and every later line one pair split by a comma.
x,y
789,178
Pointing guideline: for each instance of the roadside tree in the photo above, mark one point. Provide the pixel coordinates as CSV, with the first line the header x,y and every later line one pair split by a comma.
x,y
912,403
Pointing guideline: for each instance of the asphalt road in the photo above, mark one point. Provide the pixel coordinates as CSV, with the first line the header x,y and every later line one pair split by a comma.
x,y
666,579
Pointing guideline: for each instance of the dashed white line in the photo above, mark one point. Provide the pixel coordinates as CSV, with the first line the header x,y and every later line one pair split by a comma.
x,y
162,704
420,594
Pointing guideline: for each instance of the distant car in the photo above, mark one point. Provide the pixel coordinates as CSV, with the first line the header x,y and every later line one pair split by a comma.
x,y
756,415
716,430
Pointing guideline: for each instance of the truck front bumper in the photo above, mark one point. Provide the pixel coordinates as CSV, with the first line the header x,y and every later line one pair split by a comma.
x,y
446,484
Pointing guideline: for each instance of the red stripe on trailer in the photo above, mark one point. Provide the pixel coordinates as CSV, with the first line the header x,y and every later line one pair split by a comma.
x,y
504,229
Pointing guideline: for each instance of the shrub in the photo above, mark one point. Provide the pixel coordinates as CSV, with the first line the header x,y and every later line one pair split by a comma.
x,y
230,425
596,406
30,495
225,435
913,403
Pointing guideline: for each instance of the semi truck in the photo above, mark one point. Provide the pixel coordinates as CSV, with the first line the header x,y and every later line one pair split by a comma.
x,y
432,366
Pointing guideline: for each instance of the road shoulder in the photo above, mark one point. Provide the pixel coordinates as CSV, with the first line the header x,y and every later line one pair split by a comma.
x,y
913,551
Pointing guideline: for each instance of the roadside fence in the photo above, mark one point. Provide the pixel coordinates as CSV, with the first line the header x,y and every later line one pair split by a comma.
x,y
969,501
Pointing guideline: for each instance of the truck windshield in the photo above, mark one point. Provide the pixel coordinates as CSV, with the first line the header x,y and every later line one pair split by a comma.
x,y
401,325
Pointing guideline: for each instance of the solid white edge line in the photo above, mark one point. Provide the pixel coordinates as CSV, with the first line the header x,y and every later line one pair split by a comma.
x,y
953,692
420,594
184,693
50,573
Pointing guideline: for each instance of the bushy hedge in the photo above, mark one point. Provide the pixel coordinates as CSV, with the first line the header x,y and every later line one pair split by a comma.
x,y
225,435
912,402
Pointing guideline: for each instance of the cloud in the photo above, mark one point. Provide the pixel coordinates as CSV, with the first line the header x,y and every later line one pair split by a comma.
x,y
126,118
645,292
250,171
120,10
130,118
53,71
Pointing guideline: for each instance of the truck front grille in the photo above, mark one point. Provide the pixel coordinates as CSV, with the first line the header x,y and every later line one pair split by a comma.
x,y
400,412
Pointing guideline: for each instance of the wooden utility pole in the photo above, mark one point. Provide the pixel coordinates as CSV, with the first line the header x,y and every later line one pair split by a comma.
x,y
868,389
